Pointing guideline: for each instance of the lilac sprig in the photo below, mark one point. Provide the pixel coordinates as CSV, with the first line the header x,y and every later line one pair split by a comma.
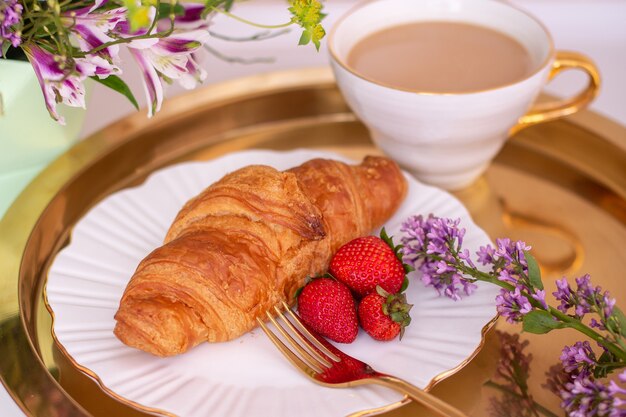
x,y
584,396
586,299
434,247
10,20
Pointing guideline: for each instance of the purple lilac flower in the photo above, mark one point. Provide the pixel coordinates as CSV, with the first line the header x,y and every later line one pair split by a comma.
x,y
585,299
512,305
442,239
10,16
579,357
586,397
582,396
540,296
509,264
486,254
564,295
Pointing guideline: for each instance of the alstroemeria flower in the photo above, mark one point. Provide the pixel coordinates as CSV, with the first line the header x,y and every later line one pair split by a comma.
x,y
56,84
170,58
91,29
191,19
195,74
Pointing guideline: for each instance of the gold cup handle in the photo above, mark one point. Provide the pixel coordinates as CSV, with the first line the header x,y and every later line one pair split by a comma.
x,y
543,112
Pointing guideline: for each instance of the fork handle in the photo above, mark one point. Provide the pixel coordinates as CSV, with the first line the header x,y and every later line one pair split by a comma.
x,y
428,400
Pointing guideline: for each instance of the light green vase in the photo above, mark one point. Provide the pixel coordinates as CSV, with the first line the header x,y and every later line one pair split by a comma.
x,y
29,138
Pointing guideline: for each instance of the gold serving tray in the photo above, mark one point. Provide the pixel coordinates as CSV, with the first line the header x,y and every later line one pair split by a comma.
x,y
559,186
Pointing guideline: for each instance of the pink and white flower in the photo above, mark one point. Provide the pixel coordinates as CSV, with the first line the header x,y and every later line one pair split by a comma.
x,y
172,57
90,30
57,84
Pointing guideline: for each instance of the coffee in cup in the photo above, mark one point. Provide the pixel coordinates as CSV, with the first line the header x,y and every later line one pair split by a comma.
x,y
441,84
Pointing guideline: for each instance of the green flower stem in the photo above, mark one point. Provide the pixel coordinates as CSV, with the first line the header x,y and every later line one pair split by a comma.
x,y
248,22
128,40
537,406
169,31
578,325
564,318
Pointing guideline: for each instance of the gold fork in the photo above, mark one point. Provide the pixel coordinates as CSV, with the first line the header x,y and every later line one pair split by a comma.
x,y
325,364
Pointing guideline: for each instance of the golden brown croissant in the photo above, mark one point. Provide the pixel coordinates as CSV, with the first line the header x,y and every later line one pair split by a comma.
x,y
247,242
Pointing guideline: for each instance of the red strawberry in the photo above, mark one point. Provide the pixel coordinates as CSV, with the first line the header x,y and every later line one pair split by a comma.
x,y
383,316
366,262
328,307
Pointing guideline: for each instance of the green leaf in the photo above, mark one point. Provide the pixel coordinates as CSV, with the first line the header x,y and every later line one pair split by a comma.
x,y
534,273
305,38
540,322
405,284
298,292
165,9
116,83
606,364
5,48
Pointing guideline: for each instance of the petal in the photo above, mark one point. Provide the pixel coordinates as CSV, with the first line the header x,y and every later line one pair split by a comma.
x,y
71,91
96,4
88,39
43,62
182,42
191,19
173,66
39,61
151,82
194,76
94,65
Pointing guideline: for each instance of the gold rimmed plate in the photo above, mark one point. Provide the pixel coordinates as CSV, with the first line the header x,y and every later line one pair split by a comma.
x,y
247,376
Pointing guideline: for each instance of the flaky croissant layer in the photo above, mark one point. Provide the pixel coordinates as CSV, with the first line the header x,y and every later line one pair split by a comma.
x,y
247,242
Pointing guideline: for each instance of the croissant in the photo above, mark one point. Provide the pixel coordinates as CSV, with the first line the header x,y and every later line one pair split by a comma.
x,y
247,242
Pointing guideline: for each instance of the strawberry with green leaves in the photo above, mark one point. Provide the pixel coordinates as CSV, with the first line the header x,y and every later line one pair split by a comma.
x,y
328,307
383,315
365,262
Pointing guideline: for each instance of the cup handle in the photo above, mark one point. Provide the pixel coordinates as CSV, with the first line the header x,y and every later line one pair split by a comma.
x,y
543,112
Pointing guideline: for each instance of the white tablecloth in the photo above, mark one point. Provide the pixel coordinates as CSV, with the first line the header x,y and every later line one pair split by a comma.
x,y
594,27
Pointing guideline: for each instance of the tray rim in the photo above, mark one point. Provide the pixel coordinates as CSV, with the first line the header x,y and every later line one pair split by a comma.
x,y
53,178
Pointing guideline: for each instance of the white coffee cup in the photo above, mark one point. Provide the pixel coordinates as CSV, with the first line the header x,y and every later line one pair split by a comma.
x,y
449,139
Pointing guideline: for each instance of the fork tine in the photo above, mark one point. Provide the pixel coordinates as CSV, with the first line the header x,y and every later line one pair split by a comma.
x,y
292,357
311,346
313,338
305,354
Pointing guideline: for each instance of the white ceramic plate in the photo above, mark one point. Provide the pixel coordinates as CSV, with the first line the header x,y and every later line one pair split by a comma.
x,y
247,376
